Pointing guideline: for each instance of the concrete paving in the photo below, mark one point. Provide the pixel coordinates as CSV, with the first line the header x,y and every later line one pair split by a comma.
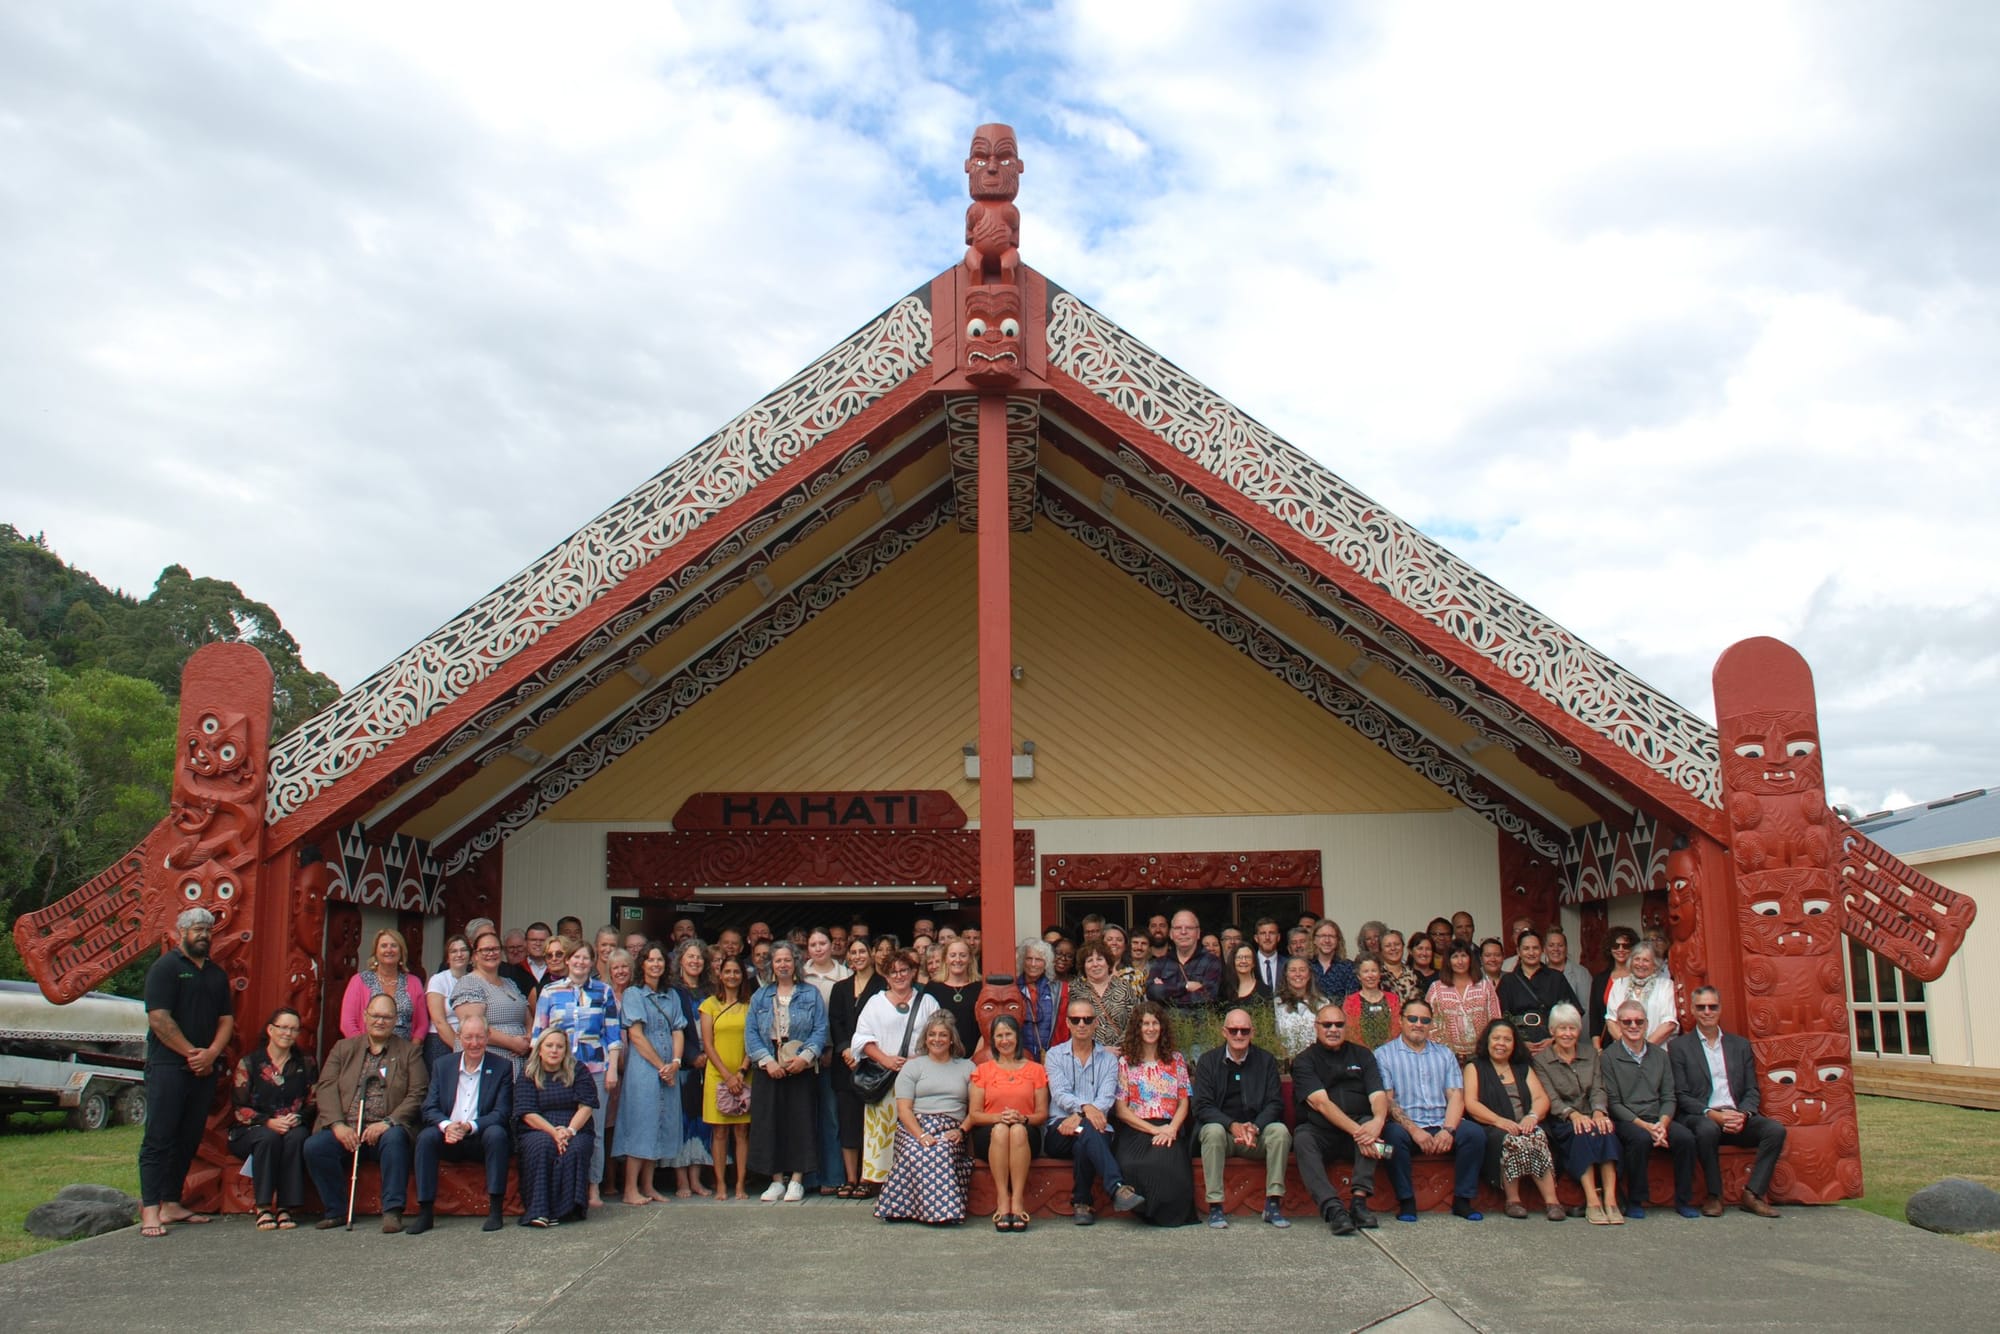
x,y
826,1265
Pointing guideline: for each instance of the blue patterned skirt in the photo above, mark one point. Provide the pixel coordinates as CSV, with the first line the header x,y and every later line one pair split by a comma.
x,y
928,1185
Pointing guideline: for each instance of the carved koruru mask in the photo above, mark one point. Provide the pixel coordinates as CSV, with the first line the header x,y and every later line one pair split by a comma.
x,y
1771,754
991,354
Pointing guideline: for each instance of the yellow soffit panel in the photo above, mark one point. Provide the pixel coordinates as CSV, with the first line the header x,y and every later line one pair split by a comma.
x,y
1135,709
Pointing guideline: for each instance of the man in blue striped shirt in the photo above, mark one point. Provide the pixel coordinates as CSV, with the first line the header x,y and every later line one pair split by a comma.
x,y
1427,1111
1083,1085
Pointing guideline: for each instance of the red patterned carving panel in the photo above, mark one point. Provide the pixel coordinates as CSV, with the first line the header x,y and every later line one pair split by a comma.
x,y
1530,885
1115,871
204,854
1786,996
342,961
662,863
1900,913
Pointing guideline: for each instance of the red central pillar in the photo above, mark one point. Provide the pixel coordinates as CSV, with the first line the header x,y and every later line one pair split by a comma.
x,y
996,693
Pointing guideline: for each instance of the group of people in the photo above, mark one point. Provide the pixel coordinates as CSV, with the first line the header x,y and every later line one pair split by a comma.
x,y
840,1062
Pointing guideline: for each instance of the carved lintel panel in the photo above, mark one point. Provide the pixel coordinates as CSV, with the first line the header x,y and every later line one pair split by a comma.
x,y
1122,871
676,864
205,853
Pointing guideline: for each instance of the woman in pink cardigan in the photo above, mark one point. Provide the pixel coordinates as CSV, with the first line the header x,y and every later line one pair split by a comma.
x,y
383,974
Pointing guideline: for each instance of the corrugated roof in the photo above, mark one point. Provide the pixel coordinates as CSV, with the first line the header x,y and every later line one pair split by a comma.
x,y
1945,823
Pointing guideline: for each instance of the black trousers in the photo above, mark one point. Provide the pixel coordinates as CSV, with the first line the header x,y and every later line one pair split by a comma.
x,y
277,1163
1759,1132
489,1144
176,1113
1636,1146
1316,1146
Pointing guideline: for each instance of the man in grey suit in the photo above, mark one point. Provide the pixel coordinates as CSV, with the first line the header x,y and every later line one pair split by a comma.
x,y
1639,1084
1715,1083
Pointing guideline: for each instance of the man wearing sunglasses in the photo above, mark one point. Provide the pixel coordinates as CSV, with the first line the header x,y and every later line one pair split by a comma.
x,y
1083,1086
1715,1085
1240,1111
1639,1084
1343,1109
1427,1104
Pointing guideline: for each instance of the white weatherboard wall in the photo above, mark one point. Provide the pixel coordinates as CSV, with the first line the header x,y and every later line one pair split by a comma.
x,y
1404,868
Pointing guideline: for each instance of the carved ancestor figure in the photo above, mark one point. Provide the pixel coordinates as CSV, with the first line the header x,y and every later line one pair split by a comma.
x,y
203,854
1687,950
1809,1085
992,223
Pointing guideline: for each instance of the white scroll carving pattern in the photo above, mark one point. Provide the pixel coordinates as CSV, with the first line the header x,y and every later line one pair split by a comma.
x,y
1431,581
660,513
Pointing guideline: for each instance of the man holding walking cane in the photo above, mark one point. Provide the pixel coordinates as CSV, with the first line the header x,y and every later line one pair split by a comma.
x,y
370,1093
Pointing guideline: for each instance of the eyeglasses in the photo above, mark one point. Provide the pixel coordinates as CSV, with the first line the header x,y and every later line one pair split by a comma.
x,y
1239,1032
1418,1019
487,949
1076,1019
284,1028
1706,1009
1620,947
1628,1022
1333,1023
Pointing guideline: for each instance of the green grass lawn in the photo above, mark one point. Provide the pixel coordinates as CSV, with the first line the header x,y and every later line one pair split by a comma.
x,y
1905,1146
39,1156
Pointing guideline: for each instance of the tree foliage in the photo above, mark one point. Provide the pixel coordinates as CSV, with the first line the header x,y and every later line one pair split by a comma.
x,y
89,703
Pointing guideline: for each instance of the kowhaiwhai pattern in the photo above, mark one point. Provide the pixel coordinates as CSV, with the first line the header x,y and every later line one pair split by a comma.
x,y
660,513
674,695
1312,501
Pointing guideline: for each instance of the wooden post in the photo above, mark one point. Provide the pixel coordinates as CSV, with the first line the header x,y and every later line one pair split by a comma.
x,y
996,689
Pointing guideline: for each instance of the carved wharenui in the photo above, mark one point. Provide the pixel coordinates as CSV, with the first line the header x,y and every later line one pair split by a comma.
x,y
203,854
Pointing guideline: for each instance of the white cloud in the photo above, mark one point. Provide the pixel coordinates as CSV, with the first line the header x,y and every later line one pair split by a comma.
x,y
1678,322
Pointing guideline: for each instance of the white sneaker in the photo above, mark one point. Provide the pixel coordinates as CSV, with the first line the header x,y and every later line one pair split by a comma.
x,y
796,1192
773,1192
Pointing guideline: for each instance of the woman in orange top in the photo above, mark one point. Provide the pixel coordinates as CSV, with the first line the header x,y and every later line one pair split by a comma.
x,y
1009,1105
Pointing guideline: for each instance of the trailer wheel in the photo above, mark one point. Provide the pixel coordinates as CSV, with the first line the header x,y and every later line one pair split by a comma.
x,y
131,1106
93,1112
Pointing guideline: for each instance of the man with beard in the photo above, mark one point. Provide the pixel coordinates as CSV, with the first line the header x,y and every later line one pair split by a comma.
x,y
188,1013
1157,935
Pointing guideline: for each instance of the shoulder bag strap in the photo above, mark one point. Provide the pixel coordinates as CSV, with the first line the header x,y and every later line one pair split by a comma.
x,y
910,1027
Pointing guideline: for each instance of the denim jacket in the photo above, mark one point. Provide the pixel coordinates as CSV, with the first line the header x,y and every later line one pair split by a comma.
x,y
808,1022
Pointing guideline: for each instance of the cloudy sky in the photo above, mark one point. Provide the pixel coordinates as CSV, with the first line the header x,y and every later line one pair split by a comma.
x,y
1681,322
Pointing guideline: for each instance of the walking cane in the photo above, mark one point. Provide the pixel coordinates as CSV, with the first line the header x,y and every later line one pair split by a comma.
x,y
354,1173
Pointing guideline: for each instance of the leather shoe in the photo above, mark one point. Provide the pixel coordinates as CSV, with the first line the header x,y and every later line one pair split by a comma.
x,y
326,1224
1338,1220
421,1223
1756,1204
1083,1217
392,1222
1711,1207
1362,1215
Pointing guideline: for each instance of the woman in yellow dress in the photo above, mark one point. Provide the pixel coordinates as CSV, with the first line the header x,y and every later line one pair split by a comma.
x,y
722,1017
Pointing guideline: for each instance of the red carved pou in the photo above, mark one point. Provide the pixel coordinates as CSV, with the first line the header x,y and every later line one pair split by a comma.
x,y
203,854
1688,951
1808,1083
992,224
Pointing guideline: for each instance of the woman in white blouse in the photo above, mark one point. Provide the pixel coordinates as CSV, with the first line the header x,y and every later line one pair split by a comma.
x,y
887,1033
1652,988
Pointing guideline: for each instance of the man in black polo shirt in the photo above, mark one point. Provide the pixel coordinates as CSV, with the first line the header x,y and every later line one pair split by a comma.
x,y
1343,1112
188,1012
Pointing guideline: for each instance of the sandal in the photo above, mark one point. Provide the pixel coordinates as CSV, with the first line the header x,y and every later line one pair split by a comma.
x,y
285,1223
844,1191
1002,1222
153,1230
267,1221
1018,1223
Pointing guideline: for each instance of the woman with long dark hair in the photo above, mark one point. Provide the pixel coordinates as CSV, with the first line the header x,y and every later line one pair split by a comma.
x,y
1009,1106
1153,1142
843,1012
272,1109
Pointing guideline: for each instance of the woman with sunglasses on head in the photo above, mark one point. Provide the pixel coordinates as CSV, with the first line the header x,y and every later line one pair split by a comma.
x,y
1646,982
272,1108
1597,1006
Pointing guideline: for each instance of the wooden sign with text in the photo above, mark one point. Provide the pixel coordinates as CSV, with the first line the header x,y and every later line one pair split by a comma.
x,y
919,809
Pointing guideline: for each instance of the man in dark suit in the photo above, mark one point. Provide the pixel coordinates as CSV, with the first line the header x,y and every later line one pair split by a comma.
x,y
469,1116
382,1077
1715,1082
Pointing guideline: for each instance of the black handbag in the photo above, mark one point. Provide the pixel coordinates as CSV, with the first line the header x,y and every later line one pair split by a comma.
x,y
871,1079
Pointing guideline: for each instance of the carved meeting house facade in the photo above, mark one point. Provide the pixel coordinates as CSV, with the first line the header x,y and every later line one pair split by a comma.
x,y
994,615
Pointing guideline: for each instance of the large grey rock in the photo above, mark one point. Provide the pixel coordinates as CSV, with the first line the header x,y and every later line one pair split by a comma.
x,y
66,1220
1955,1205
98,1195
